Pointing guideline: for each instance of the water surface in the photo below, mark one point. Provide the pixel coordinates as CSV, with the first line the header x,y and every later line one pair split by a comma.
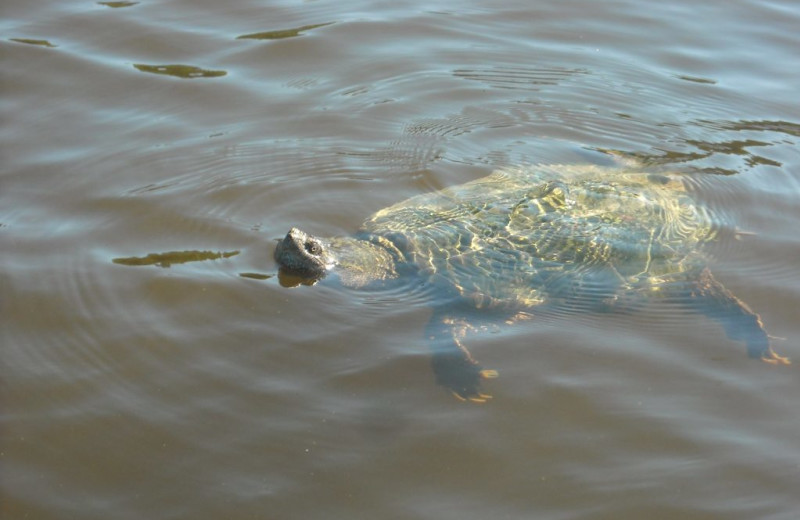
x,y
185,382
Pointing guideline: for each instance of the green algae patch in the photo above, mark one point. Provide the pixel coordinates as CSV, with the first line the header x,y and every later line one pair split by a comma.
x,y
28,41
280,34
180,71
174,257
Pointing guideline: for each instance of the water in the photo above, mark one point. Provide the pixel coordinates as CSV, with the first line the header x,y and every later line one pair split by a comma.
x,y
187,390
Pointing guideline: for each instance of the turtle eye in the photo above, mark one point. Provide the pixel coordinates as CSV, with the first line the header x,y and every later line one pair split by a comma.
x,y
313,247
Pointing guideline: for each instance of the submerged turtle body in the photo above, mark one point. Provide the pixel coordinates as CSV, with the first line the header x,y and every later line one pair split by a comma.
x,y
520,238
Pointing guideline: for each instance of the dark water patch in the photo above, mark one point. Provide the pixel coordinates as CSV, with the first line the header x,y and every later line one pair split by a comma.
x,y
174,257
180,71
281,34
716,170
730,147
736,147
654,157
784,127
708,154
28,41
695,79
117,5
256,276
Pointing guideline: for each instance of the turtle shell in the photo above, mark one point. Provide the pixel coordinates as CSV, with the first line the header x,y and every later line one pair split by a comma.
x,y
519,234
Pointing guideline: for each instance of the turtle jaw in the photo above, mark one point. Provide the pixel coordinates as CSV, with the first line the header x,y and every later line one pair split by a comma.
x,y
303,255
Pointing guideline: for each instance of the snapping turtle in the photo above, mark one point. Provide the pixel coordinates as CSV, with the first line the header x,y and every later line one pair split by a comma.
x,y
541,235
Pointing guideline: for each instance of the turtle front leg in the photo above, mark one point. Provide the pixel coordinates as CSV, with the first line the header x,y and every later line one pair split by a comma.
x,y
453,365
740,323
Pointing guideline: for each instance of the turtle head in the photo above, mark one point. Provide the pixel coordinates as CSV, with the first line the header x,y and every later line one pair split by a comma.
x,y
306,259
304,255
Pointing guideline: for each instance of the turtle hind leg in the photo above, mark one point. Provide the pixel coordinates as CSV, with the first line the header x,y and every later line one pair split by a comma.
x,y
453,365
711,298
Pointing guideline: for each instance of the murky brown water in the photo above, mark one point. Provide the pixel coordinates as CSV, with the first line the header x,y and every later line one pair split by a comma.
x,y
195,386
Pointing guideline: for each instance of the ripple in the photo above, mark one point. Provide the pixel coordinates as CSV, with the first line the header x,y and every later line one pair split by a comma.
x,y
560,103
519,78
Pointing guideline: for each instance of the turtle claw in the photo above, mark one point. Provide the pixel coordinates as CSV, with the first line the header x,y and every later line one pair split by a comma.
x,y
478,397
488,374
773,358
464,381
